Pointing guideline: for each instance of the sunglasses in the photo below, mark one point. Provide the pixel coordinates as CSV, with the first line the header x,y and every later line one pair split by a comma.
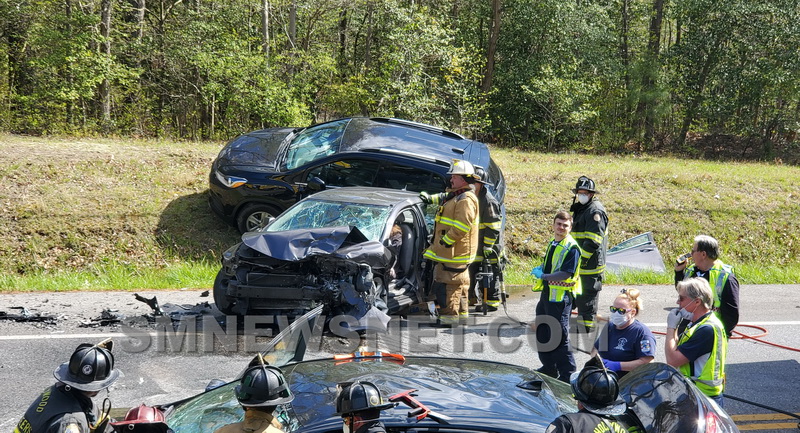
x,y
618,310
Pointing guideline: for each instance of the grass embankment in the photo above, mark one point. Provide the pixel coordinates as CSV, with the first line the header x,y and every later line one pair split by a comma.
x,y
100,214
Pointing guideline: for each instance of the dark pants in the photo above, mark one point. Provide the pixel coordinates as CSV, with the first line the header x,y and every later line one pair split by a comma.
x,y
586,302
559,362
476,294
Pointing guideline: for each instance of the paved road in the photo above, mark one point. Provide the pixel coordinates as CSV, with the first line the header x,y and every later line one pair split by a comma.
x,y
181,364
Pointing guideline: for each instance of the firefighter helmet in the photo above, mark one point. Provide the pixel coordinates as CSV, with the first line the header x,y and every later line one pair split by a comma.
x,y
480,175
90,368
263,385
597,389
359,396
462,167
584,183
142,414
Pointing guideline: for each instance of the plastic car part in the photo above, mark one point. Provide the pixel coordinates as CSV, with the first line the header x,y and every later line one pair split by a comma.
x,y
255,216
224,302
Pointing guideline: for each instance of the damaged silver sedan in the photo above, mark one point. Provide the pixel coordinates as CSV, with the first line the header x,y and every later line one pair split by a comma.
x,y
356,250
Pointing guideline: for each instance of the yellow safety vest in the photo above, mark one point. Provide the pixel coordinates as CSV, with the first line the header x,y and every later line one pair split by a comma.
x,y
558,288
711,377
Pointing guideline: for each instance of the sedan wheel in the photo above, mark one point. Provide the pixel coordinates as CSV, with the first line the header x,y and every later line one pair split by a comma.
x,y
254,217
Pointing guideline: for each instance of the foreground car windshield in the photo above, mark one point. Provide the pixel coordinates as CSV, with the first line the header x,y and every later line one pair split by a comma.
x,y
312,214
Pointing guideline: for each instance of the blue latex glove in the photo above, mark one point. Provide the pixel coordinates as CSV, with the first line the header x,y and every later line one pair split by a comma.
x,y
612,365
537,272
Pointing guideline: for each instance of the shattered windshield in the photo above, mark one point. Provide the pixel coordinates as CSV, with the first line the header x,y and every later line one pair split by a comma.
x,y
311,214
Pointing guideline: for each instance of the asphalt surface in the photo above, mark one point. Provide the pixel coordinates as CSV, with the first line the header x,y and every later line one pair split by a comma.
x,y
162,366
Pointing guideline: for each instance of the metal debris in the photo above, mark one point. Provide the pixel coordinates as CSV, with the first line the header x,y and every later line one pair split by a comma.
x,y
152,302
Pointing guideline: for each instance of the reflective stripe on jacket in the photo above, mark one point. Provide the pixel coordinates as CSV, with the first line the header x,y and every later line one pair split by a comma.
x,y
559,288
591,235
708,371
457,225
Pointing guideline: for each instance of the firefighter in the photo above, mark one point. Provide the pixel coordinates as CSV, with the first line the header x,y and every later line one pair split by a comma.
x,y
67,406
142,419
490,243
455,243
261,389
601,408
590,230
360,405
723,282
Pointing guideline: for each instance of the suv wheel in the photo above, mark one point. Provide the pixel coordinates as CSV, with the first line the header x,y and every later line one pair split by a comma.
x,y
254,217
224,302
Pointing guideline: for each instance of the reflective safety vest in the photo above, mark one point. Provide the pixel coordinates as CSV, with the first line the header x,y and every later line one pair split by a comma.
x,y
717,278
708,371
559,288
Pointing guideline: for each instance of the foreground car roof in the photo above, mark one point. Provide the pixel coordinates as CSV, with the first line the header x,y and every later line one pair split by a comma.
x,y
480,395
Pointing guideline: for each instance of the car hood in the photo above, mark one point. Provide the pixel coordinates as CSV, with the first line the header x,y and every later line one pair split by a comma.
x,y
293,245
340,242
258,149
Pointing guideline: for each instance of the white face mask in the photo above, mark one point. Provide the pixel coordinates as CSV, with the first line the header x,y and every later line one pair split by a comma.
x,y
686,314
618,319
583,198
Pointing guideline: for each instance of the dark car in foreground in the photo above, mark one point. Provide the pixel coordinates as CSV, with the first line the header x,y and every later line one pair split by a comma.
x,y
463,395
261,173
351,249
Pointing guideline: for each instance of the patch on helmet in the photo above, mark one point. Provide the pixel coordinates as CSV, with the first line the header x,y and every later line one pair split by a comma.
x,y
645,344
86,370
374,401
597,217
72,428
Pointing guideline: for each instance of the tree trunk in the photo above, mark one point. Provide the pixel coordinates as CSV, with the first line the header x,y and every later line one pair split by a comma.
x,y
292,24
342,43
105,86
697,97
491,49
368,38
645,109
265,28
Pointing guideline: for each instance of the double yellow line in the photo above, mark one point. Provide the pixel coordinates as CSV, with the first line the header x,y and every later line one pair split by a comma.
x,y
742,421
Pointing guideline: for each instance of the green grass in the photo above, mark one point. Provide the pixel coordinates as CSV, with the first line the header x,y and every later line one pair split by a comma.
x,y
112,214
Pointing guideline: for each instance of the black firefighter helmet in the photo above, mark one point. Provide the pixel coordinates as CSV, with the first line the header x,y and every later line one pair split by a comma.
x,y
263,385
90,368
359,396
597,389
584,183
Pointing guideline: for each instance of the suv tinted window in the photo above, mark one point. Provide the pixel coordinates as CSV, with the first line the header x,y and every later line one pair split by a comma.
x,y
347,172
409,178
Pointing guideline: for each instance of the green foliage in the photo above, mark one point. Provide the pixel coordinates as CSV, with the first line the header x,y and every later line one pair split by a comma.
x,y
582,76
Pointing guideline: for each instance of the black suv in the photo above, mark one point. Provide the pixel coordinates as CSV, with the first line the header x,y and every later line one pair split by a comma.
x,y
260,174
